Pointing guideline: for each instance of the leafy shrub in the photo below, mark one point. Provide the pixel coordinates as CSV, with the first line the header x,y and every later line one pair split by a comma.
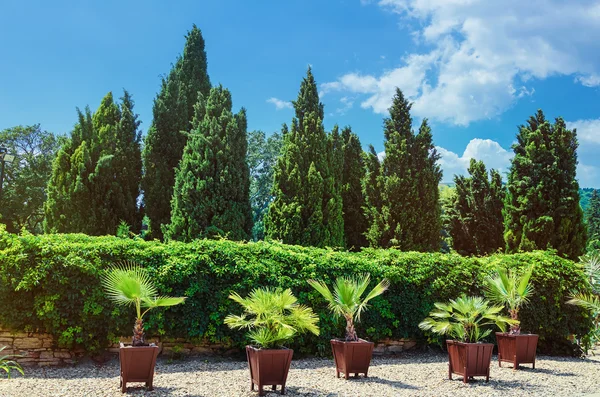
x,y
52,283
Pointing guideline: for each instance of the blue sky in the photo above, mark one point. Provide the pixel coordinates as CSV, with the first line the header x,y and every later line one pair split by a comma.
x,y
475,68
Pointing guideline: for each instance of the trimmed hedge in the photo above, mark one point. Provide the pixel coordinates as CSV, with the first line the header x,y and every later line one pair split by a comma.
x,y
51,283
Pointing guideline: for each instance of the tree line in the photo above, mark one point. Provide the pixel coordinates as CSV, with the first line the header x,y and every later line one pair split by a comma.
x,y
199,173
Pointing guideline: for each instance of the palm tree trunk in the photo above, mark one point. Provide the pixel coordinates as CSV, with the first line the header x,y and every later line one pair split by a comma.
x,y
138,333
350,331
516,328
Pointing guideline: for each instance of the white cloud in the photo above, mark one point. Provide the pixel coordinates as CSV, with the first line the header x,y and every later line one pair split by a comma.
x,y
346,104
490,152
588,131
479,55
587,175
279,104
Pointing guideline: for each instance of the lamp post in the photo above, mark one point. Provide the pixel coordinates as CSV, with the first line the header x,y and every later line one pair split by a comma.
x,y
4,158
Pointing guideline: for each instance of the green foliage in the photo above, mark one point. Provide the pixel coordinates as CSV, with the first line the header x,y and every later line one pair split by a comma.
x,y
592,218
127,284
474,216
212,180
542,203
172,115
26,178
273,317
7,364
263,153
346,300
307,209
464,319
52,283
353,199
406,211
510,289
95,181
590,301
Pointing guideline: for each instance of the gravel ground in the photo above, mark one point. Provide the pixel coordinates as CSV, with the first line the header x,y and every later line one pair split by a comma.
x,y
410,374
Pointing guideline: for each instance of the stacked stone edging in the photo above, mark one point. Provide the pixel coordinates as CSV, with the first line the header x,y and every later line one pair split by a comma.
x,y
41,349
36,348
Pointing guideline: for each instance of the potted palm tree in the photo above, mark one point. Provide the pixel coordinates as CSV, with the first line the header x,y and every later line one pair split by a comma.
x,y
590,301
512,290
351,355
273,318
128,284
464,319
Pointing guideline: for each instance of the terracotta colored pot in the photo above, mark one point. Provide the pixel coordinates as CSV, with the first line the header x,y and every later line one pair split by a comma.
x,y
268,367
516,349
469,359
352,357
137,365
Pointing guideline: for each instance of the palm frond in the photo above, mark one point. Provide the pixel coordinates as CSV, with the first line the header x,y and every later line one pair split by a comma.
x,y
273,317
463,318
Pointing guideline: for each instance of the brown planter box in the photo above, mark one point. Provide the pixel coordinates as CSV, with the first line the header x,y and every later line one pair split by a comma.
x,y
268,367
516,349
352,357
137,365
469,359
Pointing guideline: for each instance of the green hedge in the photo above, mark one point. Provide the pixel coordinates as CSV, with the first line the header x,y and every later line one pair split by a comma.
x,y
51,283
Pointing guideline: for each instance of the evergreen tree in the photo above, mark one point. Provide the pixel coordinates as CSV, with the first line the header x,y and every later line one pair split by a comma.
x,y
307,209
592,217
542,204
409,217
263,153
427,177
371,188
475,218
355,221
211,194
96,175
173,112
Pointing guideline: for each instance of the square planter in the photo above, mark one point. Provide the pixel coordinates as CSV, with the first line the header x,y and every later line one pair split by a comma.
x,y
516,349
469,359
137,364
268,367
352,357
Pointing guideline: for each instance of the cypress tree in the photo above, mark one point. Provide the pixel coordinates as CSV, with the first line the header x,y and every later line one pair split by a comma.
x,y
542,204
355,221
95,177
428,175
173,111
592,217
475,218
371,188
211,194
307,209
409,218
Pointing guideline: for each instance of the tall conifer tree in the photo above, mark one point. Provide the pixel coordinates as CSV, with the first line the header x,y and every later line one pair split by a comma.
x,y
211,194
542,204
95,180
355,221
475,216
592,217
409,217
372,189
428,175
173,111
307,209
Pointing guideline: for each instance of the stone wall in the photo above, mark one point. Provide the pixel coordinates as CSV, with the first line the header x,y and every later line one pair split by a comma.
x,y
41,349
36,349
